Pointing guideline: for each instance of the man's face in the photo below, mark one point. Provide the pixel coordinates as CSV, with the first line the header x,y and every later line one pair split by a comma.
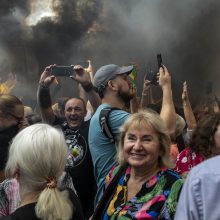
x,y
74,112
124,87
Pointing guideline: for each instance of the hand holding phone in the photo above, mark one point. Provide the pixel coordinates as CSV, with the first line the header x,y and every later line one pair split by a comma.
x,y
151,76
65,71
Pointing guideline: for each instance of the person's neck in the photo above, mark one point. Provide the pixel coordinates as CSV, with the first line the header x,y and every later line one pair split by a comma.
x,y
114,102
143,175
29,198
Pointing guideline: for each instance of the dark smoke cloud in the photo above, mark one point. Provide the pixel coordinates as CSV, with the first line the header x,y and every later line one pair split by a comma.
x,y
186,33
118,31
56,38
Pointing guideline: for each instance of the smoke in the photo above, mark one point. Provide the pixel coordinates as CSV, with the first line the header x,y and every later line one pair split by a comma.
x,y
186,33
37,33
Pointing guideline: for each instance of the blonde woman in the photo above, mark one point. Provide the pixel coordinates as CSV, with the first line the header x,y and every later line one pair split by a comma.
x,y
147,188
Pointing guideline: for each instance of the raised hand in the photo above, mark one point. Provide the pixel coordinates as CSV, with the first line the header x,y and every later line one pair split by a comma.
x,y
47,78
164,77
81,76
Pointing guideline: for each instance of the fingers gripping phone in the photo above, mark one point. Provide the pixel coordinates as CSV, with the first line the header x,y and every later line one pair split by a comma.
x,y
151,76
62,71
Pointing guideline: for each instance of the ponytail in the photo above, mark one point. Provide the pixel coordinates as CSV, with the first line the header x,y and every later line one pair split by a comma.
x,y
53,204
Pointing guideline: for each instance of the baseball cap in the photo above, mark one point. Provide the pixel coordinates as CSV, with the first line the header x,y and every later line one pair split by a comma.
x,y
107,72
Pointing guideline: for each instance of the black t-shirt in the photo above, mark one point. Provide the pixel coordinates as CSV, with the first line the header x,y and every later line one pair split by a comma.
x,y
6,137
79,162
27,212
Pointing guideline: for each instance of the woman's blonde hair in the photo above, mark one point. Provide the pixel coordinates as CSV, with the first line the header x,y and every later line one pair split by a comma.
x,y
145,119
38,153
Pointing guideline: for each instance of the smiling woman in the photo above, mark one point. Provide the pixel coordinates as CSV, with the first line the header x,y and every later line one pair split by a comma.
x,y
147,188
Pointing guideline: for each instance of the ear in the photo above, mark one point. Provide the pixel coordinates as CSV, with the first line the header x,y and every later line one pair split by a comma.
x,y
112,85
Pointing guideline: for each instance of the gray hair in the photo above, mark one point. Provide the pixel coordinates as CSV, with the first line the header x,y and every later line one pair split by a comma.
x,y
37,153
145,119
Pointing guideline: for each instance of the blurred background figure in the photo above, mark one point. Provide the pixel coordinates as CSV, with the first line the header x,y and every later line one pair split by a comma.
x,y
204,143
11,122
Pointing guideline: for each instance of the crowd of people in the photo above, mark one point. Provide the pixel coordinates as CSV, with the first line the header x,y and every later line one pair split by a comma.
x,y
107,153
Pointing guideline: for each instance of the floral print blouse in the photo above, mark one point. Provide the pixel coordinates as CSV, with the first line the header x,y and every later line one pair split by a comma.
x,y
186,160
157,198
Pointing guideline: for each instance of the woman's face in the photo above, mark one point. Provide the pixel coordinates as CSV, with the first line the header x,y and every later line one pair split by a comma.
x,y
217,137
141,148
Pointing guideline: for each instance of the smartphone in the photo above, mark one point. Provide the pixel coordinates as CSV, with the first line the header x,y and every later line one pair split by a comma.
x,y
62,71
151,76
159,60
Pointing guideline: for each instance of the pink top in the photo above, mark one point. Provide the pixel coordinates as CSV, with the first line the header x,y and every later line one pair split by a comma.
x,y
9,191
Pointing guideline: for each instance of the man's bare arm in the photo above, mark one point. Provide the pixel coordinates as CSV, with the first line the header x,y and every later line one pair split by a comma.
x,y
43,96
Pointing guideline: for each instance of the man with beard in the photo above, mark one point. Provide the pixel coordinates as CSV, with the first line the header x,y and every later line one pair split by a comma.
x,y
79,163
115,89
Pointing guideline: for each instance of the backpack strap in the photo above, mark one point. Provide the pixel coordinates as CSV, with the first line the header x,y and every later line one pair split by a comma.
x,y
104,123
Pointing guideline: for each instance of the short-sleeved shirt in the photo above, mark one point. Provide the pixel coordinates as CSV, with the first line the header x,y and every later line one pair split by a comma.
x,y
157,198
102,150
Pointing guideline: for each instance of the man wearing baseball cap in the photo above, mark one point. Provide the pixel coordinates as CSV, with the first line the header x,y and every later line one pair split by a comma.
x,y
113,84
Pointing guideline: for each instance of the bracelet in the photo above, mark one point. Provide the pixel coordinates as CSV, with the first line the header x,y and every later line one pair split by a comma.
x,y
87,87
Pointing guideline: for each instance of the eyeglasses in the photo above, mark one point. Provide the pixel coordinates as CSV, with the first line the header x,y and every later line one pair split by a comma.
x,y
19,119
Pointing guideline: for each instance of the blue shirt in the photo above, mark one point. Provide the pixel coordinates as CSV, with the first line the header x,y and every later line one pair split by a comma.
x,y
200,197
102,151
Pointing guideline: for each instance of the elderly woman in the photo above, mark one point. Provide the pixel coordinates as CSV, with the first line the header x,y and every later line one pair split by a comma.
x,y
204,143
37,158
146,188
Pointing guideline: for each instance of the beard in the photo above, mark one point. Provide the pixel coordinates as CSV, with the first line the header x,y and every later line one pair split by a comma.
x,y
125,96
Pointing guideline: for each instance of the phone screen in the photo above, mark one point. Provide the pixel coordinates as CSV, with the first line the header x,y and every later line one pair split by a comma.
x,y
62,71
159,60
151,76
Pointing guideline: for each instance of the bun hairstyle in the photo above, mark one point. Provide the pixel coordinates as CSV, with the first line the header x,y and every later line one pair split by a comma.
x,y
38,156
